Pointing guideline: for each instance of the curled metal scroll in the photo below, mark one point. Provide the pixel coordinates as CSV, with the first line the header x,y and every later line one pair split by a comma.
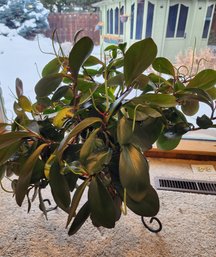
x,y
47,209
150,228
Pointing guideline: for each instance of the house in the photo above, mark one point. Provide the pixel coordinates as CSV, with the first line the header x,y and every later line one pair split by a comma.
x,y
174,25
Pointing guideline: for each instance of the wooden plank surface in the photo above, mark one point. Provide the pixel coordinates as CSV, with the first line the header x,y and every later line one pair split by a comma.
x,y
188,149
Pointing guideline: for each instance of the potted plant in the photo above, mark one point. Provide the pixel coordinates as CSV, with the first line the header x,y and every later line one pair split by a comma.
x,y
85,134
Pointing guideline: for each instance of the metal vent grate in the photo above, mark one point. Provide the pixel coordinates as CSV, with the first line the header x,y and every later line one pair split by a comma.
x,y
184,185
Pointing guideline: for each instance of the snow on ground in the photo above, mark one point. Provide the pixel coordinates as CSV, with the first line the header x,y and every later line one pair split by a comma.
x,y
21,58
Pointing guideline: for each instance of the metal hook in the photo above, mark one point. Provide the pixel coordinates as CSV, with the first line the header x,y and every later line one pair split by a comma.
x,y
150,228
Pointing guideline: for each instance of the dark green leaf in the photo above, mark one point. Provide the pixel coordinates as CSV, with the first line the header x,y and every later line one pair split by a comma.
x,y
134,172
79,53
52,67
205,80
7,139
161,100
91,61
163,65
124,131
80,218
117,80
165,142
138,58
190,107
101,204
76,130
204,122
48,84
26,174
146,133
59,93
75,201
7,152
88,146
142,82
96,161
59,187
148,206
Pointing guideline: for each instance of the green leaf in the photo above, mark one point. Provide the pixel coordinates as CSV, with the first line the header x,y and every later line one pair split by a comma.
x,y
8,151
138,58
7,139
124,131
205,79
212,93
161,100
19,87
88,146
60,92
80,219
142,82
26,174
190,107
168,143
148,206
59,187
52,67
134,172
163,65
48,84
146,133
101,204
91,61
24,103
75,201
117,80
79,54
96,161
204,122
76,130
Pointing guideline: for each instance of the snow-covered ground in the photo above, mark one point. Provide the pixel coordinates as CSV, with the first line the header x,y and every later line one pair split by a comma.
x,y
21,58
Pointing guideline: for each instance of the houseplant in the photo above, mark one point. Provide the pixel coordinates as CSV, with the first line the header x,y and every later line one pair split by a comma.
x,y
84,134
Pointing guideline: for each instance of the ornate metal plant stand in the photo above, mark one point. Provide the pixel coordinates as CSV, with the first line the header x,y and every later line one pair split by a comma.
x,y
152,229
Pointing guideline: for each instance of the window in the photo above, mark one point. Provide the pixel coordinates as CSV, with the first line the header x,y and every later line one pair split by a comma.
x,y
121,24
108,20
149,21
116,20
177,21
132,22
207,21
139,21
111,21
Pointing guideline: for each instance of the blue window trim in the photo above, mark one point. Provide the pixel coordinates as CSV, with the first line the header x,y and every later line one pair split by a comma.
x,y
116,20
139,20
111,21
172,19
108,20
182,21
207,21
149,22
132,21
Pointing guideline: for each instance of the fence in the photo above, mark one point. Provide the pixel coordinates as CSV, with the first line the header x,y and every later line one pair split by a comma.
x,y
67,24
